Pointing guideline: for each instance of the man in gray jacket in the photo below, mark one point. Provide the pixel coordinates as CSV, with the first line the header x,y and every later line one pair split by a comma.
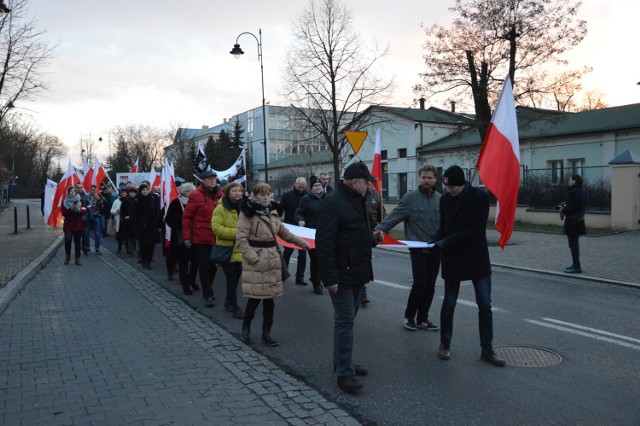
x,y
420,211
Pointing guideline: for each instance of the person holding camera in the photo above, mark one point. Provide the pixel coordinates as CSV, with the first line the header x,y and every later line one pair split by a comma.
x,y
73,210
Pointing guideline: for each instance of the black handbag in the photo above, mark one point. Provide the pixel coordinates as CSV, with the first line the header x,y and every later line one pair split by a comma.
x,y
221,254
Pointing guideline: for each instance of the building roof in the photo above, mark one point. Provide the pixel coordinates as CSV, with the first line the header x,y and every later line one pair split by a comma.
x,y
430,115
538,124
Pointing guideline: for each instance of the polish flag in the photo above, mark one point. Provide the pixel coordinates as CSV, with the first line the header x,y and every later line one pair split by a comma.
x,y
99,173
499,162
134,169
70,178
376,168
169,193
87,179
154,178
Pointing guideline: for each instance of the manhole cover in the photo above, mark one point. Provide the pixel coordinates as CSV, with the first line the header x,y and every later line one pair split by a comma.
x,y
528,356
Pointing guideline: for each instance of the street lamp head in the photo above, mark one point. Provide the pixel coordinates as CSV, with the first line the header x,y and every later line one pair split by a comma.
x,y
100,139
236,51
4,8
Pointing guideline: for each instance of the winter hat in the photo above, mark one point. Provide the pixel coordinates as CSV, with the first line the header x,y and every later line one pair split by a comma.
x,y
358,171
454,176
313,180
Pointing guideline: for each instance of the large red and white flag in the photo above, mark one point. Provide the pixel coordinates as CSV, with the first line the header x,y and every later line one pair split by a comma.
x,y
99,173
154,178
499,162
376,168
70,178
168,193
87,179
134,169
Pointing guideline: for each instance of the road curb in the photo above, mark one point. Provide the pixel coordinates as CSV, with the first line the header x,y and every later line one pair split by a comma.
x,y
13,287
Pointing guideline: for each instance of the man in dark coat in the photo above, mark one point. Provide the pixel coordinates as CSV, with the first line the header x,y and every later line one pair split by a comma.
x,y
288,206
462,238
572,211
344,244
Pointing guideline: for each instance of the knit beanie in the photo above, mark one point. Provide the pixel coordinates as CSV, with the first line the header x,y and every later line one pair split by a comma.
x,y
454,176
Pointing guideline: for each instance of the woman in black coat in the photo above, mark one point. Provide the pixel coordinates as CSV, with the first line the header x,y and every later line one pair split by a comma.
x,y
187,268
145,220
572,210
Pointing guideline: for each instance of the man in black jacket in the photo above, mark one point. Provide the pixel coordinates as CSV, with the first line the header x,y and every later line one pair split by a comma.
x,y
343,244
288,206
462,238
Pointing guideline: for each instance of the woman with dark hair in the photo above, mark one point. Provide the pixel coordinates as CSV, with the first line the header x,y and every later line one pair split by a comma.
x,y
73,210
224,224
127,208
572,211
258,224
145,219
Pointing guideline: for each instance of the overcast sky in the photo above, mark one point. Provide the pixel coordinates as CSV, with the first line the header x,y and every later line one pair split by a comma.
x,y
163,62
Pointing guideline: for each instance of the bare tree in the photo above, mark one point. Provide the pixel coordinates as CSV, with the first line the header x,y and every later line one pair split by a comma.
x,y
143,141
24,55
330,73
490,39
182,151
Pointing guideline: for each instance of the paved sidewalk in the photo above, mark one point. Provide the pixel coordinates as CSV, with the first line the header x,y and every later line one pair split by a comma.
x,y
103,344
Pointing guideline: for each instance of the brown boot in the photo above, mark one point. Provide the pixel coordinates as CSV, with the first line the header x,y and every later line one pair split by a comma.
x,y
78,261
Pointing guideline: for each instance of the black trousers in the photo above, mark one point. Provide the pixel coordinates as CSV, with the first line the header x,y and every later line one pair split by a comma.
x,y
232,272
76,237
425,266
206,268
267,312
302,261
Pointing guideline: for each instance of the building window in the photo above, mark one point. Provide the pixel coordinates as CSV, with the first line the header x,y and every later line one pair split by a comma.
x,y
383,154
577,166
557,172
402,153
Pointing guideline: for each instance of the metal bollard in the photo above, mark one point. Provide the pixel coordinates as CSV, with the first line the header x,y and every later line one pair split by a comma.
x,y
28,218
15,220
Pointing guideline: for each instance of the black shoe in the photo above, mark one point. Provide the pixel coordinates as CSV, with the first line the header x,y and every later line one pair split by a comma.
x,y
364,299
318,290
187,291
228,307
301,281
360,370
267,340
349,384
169,277
98,251
195,287
573,270
246,332
209,303
444,353
492,358
237,313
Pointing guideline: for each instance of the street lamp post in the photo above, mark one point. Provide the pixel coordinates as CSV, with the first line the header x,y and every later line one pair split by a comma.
x,y
237,52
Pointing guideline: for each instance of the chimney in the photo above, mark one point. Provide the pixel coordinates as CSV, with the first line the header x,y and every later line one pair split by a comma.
x,y
422,101
205,127
453,106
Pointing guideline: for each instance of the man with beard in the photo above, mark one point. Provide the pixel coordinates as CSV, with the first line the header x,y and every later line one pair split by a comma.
x,y
288,206
420,211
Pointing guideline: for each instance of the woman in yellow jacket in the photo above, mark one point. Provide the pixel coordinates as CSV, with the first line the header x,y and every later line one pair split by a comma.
x,y
224,223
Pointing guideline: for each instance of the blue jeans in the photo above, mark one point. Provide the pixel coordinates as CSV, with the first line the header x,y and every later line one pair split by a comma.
x,y
574,246
92,225
482,288
345,306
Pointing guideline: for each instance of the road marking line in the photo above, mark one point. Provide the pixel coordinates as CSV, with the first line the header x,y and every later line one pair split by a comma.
x,y
394,285
582,333
606,333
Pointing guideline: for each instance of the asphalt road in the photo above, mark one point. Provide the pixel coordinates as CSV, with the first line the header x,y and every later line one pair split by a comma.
x,y
593,328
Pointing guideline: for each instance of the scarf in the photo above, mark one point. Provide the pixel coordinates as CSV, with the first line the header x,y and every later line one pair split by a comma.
x,y
183,199
70,201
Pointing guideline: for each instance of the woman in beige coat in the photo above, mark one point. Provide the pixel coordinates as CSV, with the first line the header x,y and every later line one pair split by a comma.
x,y
261,264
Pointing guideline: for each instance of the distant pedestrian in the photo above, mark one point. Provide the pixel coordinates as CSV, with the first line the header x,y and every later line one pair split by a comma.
x,y
420,212
224,224
325,179
145,221
462,238
344,244
258,225
572,211
127,228
287,208
178,252
73,210
116,207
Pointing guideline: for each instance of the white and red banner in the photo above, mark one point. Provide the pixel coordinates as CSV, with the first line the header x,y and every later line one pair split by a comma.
x,y
499,162
49,195
376,168
87,178
99,173
309,235
168,193
70,178
134,169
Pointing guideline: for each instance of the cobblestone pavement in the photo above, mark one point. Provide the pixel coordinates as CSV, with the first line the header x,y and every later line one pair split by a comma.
x,y
103,344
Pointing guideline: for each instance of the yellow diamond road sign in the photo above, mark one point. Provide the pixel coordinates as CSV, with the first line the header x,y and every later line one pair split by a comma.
x,y
356,139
